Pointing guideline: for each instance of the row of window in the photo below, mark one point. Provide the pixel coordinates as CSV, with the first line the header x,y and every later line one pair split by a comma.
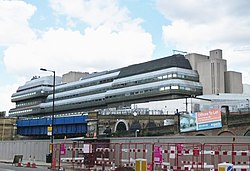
x,y
59,115
172,75
178,75
88,84
114,86
81,94
133,93
33,110
130,93
170,87
83,102
22,111
24,95
30,103
176,87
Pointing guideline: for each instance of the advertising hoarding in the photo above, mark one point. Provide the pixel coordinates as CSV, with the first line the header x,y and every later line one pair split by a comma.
x,y
198,121
208,119
188,122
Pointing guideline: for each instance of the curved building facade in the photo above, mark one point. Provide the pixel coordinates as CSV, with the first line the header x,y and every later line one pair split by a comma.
x,y
165,78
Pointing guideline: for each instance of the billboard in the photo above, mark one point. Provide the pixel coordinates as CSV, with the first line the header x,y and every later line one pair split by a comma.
x,y
208,120
198,121
188,122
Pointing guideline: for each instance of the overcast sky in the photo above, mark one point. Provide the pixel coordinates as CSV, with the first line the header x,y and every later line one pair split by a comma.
x,y
97,35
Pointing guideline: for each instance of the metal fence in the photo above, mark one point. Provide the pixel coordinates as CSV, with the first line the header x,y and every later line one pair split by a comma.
x,y
160,152
158,156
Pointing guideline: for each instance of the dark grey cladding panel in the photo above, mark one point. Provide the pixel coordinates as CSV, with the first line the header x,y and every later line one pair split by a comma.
x,y
158,64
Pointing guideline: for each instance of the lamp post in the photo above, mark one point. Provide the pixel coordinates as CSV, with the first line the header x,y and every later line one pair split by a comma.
x,y
53,105
178,121
248,106
186,105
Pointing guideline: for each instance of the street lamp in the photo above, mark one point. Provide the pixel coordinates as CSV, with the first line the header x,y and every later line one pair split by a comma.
x,y
248,106
53,104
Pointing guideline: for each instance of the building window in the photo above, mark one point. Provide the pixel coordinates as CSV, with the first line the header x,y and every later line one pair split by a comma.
x,y
174,87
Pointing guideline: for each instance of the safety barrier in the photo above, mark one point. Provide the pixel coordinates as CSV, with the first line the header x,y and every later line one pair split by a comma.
x,y
69,155
129,152
104,155
237,154
178,156
88,156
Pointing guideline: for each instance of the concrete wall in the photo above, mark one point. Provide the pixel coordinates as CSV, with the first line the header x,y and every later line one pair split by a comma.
x,y
73,76
195,59
215,54
211,70
211,74
204,70
233,82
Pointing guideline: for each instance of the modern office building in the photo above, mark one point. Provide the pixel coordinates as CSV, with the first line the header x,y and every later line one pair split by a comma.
x,y
165,78
78,93
31,95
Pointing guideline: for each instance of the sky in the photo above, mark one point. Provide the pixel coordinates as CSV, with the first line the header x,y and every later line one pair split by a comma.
x,y
98,35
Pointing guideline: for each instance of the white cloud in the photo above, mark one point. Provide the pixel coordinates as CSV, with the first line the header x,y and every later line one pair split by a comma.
x,y
6,91
65,50
203,11
112,40
200,26
94,12
14,26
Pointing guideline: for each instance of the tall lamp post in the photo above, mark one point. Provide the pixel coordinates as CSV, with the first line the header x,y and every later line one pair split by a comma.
x,y
53,105
248,106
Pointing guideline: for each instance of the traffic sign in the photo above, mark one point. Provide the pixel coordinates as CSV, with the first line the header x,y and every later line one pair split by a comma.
x,y
49,130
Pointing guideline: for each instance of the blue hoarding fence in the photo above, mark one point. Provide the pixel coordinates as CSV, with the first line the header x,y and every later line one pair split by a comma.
x,y
62,126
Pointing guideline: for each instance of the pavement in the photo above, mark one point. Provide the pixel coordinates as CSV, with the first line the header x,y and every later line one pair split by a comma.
x,y
39,164
24,162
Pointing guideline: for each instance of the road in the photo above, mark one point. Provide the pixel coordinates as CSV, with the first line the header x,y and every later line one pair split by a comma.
x,y
10,167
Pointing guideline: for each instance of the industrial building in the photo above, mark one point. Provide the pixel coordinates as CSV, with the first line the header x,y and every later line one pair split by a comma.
x,y
213,73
